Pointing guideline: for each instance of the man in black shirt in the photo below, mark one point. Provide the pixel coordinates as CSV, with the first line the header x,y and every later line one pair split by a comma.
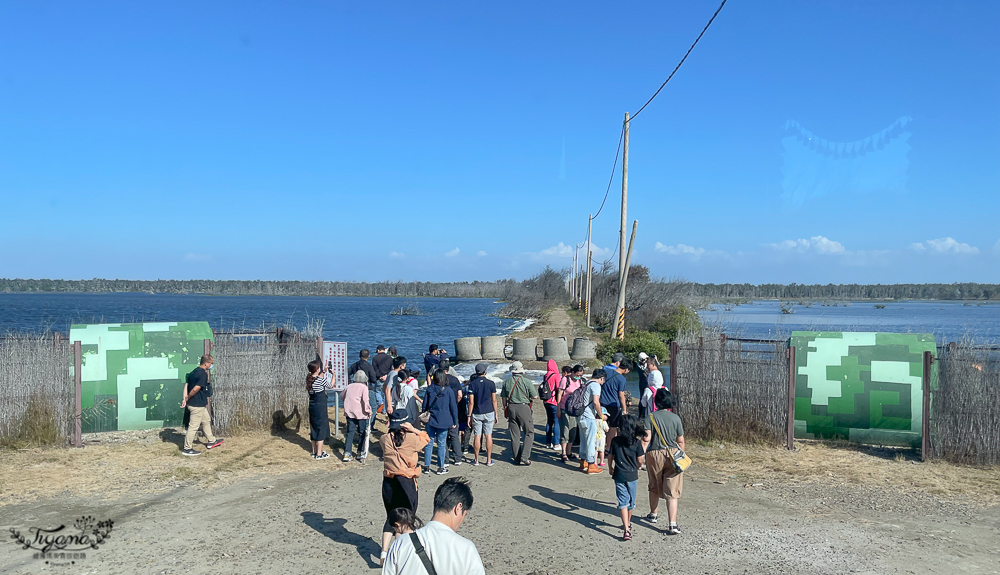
x,y
199,389
454,439
382,363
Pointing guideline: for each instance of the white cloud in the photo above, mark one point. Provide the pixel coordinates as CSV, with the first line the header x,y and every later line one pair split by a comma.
x,y
452,253
197,258
396,255
944,246
814,245
480,253
561,250
679,250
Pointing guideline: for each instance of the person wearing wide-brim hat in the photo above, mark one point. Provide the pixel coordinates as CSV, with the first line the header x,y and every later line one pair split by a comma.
x,y
401,449
517,394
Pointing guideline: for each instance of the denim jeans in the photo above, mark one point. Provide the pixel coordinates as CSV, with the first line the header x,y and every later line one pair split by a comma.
x,y
551,424
588,436
376,397
358,426
439,435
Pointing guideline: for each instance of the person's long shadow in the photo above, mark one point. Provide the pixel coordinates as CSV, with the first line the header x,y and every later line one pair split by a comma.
x,y
335,529
566,513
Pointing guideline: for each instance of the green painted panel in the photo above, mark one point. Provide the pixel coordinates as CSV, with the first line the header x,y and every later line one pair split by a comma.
x,y
133,374
860,385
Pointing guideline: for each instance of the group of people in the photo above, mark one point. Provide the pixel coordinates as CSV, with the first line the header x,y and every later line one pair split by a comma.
x,y
460,416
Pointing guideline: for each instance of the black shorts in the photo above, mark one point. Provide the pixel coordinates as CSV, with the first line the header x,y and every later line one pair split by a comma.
x,y
614,415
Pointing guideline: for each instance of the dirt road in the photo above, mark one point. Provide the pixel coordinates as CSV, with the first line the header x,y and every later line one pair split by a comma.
x,y
544,519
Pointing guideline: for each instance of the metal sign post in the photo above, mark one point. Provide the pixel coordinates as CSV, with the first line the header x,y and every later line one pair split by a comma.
x,y
335,355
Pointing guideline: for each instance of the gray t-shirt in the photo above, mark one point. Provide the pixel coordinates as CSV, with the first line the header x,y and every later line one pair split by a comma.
x,y
593,388
670,426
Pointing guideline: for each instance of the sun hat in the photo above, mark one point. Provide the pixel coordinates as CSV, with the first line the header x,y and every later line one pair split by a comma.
x,y
517,367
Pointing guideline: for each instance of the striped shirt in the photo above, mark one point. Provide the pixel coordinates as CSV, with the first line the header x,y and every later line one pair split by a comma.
x,y
321,383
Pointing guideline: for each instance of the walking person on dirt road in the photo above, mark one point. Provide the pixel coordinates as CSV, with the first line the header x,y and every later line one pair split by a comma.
x,y
357,409
665,434
436,547
517,394
483,397
401,449
196,401
588,423
551,380
568,425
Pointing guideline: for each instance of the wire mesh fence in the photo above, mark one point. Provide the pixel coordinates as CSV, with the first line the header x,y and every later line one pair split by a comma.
x,y
965,408
732,389
36,379
259,378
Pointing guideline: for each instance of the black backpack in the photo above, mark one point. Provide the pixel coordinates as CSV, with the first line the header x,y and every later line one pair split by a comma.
x,y
544,391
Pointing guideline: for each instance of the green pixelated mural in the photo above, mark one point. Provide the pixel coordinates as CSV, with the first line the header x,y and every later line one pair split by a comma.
x,y
133,373
864,387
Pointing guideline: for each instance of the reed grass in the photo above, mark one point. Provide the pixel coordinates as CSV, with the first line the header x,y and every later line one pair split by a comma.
x,y
257,376
732,391
965,409
36,390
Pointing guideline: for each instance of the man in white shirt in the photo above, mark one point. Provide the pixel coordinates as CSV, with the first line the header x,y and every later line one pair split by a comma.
x,y
446,550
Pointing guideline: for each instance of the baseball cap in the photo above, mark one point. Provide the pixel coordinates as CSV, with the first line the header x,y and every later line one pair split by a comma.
x,y
642,355
481,368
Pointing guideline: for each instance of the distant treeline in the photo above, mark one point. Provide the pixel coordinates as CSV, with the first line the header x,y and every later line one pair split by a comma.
x,y
956,291
257,287
503,289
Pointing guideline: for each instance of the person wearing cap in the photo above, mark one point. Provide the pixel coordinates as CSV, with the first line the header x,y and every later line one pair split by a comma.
x,y
357,409
517,394
454,433
401,449
588,423
643,370
483,399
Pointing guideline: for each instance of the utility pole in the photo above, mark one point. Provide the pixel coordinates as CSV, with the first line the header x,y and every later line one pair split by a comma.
x,y
590,222
620,308
621,234
576,264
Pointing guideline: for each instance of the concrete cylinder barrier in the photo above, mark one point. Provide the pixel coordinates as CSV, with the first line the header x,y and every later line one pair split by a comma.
x,y
467,349
555,348
525,349
493,346
584,349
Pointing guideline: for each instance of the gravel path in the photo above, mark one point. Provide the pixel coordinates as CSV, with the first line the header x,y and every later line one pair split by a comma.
x,y
544,519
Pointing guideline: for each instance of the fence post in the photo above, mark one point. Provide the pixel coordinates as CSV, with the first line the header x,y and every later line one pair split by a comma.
x,y
674,351
790,434
77,395
925,420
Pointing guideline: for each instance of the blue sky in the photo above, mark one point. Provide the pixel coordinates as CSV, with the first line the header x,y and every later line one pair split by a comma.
x,y
461,141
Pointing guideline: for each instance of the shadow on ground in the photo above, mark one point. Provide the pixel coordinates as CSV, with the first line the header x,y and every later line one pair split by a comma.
x,y
335,529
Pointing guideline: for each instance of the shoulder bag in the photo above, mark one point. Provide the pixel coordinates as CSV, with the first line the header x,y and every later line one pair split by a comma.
x,y
422,553
680,459
517,382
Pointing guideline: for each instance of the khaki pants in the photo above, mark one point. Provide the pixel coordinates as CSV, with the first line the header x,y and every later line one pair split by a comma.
x,y
199,420
518,422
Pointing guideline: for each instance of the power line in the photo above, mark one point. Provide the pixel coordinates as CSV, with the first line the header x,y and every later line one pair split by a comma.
x,y
686,54
614,167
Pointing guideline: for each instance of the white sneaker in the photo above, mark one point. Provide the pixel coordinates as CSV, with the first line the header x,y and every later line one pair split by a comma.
x,y
347,457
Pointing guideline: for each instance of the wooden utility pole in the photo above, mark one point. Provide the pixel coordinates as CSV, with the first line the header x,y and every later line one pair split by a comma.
x,y
620,308
590,222
621,233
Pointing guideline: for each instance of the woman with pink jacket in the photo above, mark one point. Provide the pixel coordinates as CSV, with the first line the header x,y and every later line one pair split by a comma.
x,y
357,410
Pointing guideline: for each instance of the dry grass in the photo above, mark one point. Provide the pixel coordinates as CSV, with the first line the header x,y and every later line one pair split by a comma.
x,y
845,463
150,461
